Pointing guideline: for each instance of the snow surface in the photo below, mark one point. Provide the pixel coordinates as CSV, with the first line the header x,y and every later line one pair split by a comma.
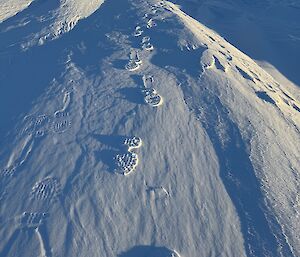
x,y
9,8
266,30
56,17
67,16
218,166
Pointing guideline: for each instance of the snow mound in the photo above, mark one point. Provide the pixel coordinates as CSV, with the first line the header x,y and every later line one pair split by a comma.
x,y
212,171
9,8
59,19
68,15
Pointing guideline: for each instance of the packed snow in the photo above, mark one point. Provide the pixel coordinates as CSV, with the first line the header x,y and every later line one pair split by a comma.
x,y
129,128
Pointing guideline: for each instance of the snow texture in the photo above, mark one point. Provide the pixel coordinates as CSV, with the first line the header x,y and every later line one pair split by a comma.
x,y
9,8
92,91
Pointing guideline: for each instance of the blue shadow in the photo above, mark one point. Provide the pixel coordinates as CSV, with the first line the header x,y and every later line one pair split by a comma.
x,y
147,251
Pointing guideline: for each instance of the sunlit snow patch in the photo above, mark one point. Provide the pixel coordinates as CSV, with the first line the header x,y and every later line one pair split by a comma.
x,y
207,59
148,46
138,31
151,97
132,66
133,143
9,8
65,18
151,23
71,12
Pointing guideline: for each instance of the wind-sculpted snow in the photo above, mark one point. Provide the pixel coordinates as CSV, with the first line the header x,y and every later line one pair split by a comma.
x,y
67,15
141,132
51,19
266,30
9,8
259,83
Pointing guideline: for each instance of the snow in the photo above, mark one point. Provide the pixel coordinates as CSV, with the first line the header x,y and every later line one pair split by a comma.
x,y
70,12
266,30
91,164
9,8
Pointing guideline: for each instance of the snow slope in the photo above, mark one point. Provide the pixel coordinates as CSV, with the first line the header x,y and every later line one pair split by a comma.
x,y
55,17
67,16
9,8
268,31
216,172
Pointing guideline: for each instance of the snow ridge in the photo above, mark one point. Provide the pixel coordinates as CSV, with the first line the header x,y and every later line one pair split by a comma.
x,y
207,139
